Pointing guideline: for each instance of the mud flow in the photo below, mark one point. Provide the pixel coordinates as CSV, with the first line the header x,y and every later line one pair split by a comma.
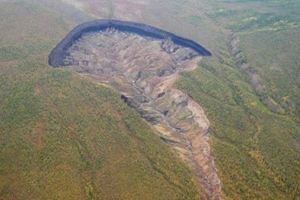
x,y
144,71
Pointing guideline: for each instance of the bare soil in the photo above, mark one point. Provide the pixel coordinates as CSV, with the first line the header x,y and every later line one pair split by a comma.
x,y
144,71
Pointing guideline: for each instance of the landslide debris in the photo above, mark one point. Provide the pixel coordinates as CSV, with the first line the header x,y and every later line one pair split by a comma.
x,y
144,70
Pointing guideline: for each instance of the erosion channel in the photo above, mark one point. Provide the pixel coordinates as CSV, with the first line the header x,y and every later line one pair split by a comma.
x,y
144,68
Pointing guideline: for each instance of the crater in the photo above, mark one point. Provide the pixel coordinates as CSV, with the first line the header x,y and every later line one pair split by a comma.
x,y
143,63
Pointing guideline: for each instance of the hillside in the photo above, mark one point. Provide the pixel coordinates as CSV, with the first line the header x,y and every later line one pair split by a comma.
x,y
64,137
249,88
250,92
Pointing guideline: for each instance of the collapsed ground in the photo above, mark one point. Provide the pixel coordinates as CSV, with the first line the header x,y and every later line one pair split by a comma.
x,y
144,71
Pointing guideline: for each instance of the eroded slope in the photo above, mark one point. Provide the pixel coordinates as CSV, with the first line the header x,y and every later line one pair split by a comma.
x,y
144,71
63,137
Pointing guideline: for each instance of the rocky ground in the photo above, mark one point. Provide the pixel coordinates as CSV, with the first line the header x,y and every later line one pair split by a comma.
x,y
144,71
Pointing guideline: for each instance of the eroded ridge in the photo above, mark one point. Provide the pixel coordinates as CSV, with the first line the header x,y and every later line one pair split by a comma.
x,y
144,71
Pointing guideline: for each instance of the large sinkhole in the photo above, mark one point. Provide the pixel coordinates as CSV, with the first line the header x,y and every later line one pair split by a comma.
x,y
143,63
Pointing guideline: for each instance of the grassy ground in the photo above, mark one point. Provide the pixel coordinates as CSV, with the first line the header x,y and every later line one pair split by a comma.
x,y
256,150
64,137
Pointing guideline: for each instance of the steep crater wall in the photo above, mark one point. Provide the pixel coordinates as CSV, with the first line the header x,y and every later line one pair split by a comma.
x,y
58,54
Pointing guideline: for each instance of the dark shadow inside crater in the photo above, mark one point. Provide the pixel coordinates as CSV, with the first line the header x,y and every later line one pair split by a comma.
x,y
58,54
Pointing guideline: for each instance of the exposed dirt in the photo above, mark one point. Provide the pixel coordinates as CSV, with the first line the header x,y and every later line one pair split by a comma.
x,y
144,71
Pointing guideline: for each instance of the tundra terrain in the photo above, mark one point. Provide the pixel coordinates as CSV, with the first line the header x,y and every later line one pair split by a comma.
x,y
139,120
